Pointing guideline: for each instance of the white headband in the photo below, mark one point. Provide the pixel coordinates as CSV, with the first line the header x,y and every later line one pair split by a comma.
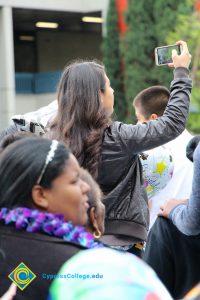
x,y
49,157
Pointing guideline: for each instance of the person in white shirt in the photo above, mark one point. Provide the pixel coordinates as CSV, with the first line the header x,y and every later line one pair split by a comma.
x,y
43,115
34,122
150,104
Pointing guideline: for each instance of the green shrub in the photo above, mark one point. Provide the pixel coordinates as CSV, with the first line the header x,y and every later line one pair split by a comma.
x,y
112,60
193,123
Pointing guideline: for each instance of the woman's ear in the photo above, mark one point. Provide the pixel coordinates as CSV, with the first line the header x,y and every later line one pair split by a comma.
x,y
94,223
93,219
39,197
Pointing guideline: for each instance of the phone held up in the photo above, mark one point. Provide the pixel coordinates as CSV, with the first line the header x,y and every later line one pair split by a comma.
x,y
163,55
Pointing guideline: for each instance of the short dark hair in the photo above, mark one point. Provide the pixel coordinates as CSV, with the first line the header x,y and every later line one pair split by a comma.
x,y
9,130
11,138
152,100
21,164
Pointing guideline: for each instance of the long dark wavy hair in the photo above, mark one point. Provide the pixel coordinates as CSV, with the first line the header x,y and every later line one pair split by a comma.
x,y
81,119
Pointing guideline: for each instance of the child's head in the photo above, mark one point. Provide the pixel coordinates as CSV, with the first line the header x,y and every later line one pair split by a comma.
x,y
150,103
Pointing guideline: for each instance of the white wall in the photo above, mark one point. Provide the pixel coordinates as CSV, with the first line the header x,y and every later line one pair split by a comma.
x,y
27,103
60,5
32,102
7,83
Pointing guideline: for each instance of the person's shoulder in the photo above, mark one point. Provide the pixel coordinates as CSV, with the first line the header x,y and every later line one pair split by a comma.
x,y
9,232
112,130
114,126
121,129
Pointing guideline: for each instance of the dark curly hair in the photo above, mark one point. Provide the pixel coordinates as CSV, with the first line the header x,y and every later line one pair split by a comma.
x,y
81,119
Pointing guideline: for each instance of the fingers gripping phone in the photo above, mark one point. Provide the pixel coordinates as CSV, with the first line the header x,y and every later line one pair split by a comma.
x,y
163,55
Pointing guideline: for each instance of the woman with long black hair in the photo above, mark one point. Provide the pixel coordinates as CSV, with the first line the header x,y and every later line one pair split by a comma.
x,y
109,150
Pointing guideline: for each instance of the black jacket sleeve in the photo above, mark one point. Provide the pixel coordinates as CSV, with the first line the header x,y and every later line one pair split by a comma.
x,y
148,135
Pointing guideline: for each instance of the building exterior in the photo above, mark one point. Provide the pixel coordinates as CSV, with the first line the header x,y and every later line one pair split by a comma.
x,y
31,59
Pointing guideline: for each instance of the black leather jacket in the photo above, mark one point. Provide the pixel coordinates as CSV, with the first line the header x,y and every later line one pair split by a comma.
x,y
120,170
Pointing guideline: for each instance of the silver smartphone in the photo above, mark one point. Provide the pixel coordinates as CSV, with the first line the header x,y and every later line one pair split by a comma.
x,y
163,55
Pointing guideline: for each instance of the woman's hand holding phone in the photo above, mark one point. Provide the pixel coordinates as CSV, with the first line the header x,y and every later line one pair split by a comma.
x,y
182,60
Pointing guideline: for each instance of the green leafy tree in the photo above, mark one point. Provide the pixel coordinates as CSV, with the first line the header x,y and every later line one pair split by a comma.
x,y
193,123
188,29
112,60
137,48
165,14
149,23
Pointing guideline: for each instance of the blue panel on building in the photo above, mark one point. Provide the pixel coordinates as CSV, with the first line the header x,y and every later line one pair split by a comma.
x,y
47,82
24,83
31,83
